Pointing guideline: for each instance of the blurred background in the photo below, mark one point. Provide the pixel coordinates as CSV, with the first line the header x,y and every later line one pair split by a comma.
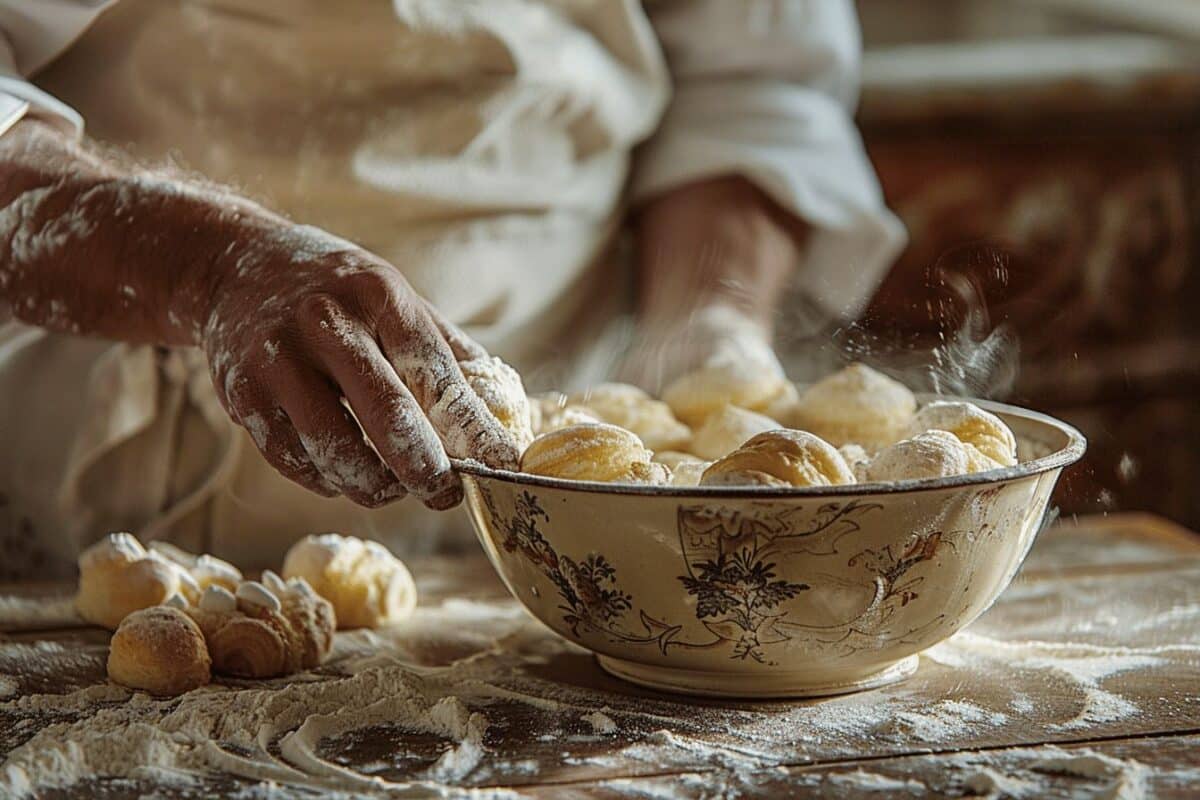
x,y
1045,156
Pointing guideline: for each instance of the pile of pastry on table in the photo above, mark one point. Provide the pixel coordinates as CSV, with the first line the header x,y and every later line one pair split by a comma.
x,y
180,618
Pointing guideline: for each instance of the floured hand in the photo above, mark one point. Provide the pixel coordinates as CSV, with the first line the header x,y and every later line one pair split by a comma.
x,y
315,345
300,320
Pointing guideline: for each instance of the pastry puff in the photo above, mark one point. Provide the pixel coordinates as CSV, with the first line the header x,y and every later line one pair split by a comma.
x,y
931,454
266,629
597,452
780,458
983,430
856,404
367,585
160,650
632,409
728,429
696,395
117,576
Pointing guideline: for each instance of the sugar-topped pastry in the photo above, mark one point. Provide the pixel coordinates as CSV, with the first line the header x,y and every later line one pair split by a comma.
x,y
726,430
160,650
117,576
273,628
596,452
981,429
206,570
856,404
367,585
501,389
780,458
931,454
634,410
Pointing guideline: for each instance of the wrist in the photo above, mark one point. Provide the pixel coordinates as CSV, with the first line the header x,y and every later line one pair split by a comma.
x,y
715,243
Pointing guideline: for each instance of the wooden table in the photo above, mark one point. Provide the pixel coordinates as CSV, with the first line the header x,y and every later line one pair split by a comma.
x,y
1082,681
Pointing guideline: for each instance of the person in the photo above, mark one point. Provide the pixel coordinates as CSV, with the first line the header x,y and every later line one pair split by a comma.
x,y
430,179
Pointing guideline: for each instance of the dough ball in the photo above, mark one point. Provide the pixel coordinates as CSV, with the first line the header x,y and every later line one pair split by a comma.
x,y
205,570
698,394
727,429
981,429
551,411
117,577
500,388
856,404
932,454
632,409
367,585
598,452
160,650
781,458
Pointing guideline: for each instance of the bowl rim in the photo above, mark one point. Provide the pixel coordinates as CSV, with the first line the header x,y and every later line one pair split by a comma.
x,y
1064,457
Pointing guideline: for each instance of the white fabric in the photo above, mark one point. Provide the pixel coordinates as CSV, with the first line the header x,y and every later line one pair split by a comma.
x,y
481,146
31,35
12,111
765,90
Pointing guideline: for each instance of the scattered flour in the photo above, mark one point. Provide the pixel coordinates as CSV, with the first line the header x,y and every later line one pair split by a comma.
x,y
864,781
600,722
451,671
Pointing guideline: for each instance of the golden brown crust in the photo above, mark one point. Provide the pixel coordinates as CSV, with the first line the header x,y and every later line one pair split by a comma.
x,y
782,457
160,650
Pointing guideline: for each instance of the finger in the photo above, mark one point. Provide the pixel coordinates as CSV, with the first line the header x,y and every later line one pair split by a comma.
x,y
277,440
334,441
462,346
390,415
423,359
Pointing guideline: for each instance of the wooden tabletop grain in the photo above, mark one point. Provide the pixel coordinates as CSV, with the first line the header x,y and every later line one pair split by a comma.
x,y
1082,681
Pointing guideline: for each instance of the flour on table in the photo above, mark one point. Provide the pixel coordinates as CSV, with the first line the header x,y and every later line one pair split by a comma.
x,y
601,723
455,673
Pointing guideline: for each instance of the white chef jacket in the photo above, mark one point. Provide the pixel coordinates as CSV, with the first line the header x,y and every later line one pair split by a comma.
x,y
485,147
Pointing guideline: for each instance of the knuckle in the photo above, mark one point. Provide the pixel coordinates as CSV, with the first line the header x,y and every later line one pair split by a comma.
x,y
320,310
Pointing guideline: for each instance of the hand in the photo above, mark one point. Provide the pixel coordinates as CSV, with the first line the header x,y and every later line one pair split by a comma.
x,y
311,340
300,320
713,259
713,335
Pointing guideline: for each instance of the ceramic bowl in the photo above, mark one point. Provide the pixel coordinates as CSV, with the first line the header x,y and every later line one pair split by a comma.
x,y
763,592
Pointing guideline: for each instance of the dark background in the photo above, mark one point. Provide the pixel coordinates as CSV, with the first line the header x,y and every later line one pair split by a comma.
x,y
1046,161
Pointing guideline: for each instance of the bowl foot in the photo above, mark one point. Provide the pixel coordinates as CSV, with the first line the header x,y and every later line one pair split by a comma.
x,y
728,684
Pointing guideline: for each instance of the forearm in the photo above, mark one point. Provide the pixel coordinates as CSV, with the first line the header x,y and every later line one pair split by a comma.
x,y
90,247
720,241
